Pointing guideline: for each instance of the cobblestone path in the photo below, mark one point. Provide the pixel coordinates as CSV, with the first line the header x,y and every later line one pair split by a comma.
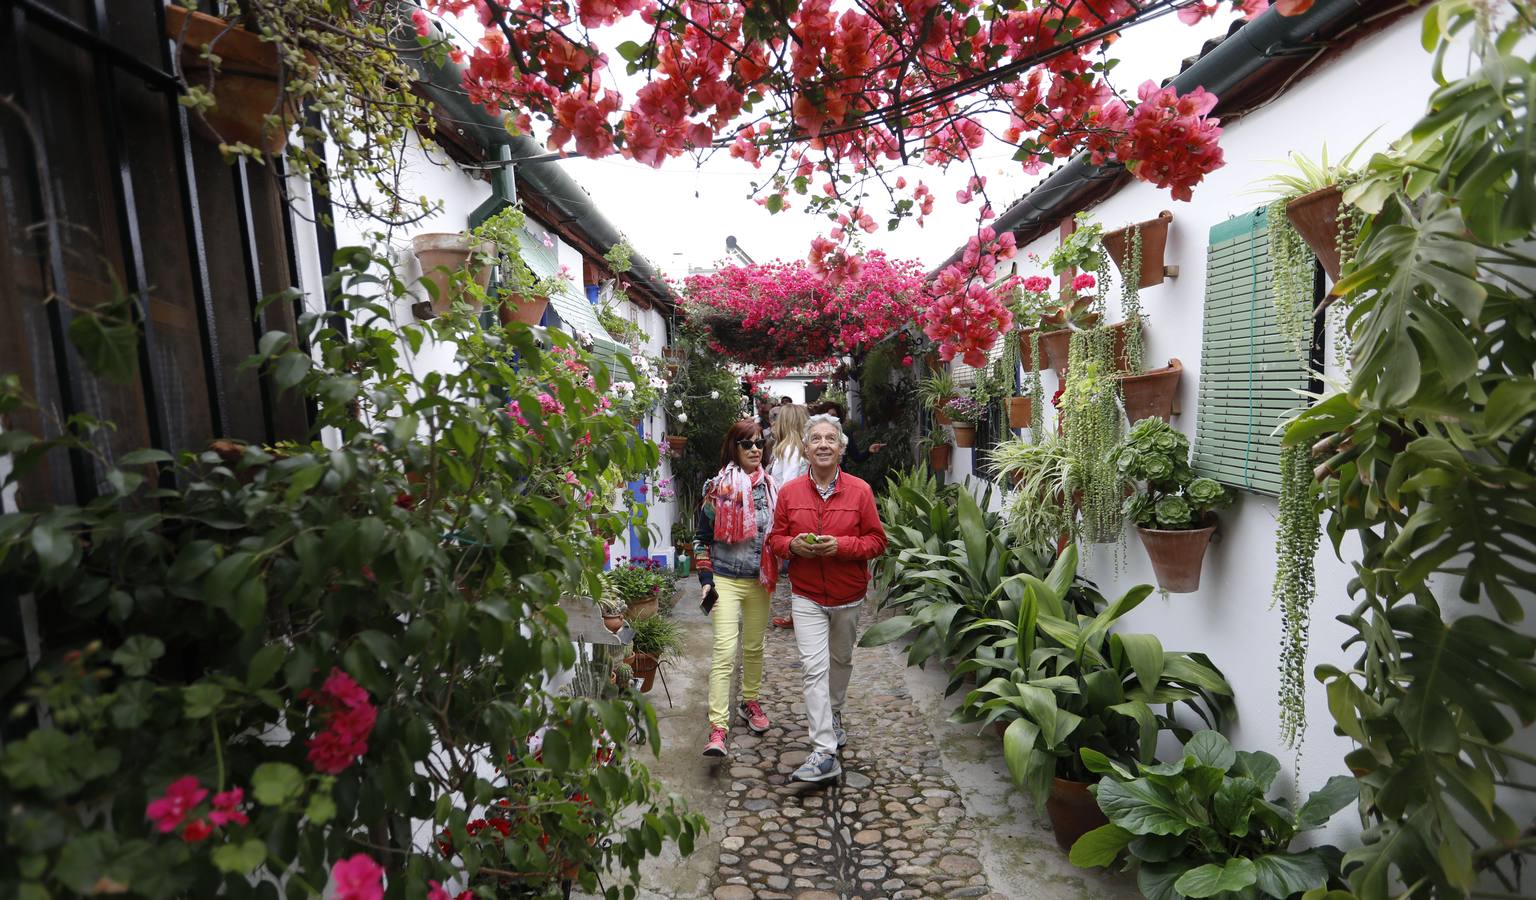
x,y
893,826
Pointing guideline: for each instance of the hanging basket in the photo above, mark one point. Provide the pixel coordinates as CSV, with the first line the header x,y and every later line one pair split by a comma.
x,y
1025,358
1054,347
1019,409
245,88
676,444
1315,217
1154,243
518,308
440,255
1177,555
1152,394
938,457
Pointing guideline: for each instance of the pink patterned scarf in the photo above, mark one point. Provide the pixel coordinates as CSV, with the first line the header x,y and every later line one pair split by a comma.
x,y
735,518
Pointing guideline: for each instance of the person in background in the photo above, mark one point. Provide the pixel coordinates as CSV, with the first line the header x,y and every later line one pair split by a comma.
x,y
787,463
827,523
835,409
732,557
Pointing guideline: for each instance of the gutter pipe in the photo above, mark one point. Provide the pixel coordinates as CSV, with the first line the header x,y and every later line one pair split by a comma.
x,y
1262,56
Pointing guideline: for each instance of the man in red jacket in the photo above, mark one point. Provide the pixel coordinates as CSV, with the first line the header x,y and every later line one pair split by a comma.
x,y
826,522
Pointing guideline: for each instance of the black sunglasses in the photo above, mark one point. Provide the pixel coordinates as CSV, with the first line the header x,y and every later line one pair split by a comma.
x,y
748,443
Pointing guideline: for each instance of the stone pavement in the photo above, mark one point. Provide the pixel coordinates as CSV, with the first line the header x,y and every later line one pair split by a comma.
x,y
924,808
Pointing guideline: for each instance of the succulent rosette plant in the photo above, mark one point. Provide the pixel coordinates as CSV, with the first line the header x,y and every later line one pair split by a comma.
x,y
1157,455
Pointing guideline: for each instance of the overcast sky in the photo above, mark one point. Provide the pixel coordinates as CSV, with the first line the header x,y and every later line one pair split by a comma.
x,y
679,215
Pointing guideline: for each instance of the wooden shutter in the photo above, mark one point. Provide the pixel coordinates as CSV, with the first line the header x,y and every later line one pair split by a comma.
x,y
1249,375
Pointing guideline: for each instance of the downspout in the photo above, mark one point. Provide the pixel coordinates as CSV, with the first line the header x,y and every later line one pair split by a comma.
x,y
1283,45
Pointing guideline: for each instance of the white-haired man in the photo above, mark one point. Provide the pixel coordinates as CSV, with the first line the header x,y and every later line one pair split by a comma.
x,y
827,524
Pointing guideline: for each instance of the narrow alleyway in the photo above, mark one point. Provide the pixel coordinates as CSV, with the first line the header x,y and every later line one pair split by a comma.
x,y
924,808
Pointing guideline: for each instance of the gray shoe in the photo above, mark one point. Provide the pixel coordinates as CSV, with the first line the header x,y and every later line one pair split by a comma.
x,y
818,766
837,729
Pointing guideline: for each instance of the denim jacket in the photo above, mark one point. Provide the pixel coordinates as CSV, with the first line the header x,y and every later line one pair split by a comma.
x,y
742,559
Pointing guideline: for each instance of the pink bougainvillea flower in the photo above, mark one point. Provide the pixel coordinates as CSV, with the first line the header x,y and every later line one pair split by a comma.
x,y
357,878
180,796
226,808
349,720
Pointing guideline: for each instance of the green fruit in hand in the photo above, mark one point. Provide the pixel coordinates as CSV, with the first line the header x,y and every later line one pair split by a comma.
x,y
810,539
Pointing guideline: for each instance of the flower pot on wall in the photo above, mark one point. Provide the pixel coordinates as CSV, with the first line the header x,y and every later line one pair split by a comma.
x,y
1054,346
965,435
1073,811
1153,393
1315,217
941,417
1019,409
440,255
517,308
1177,555
938,457
676,444
1025,359
245,89
1154,242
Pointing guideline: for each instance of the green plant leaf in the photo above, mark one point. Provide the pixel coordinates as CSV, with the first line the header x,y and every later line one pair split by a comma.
x,y
887,631
1145,653
1156,880
201,700
1142,807
242,858
137,655
1340,791
108,343
274,784
1284,874
1210,879
1100,846
1211,749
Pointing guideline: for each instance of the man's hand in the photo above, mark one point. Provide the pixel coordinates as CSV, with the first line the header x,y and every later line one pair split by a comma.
x,y
805,545
876,448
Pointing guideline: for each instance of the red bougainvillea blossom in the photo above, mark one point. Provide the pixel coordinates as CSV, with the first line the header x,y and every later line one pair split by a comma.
x,y
357,878
840,91
349,719
968,312
789,314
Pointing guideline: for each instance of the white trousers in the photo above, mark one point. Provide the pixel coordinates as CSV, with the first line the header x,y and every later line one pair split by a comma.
x,y
826,639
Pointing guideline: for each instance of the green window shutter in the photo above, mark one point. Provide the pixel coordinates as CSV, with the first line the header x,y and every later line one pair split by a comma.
x,y
1248,374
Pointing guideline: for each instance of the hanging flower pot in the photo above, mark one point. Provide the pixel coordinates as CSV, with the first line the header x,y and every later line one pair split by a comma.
x,y
938,457
614,622
1154,242
965,435
1315,217
518,308
1019,409
1177,555
1053,348
644,666
941,417
1153,393
440,255
1073,811
1025,358
676,444
245,88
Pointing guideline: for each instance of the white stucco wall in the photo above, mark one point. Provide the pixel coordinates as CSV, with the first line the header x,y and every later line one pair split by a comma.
x,y
1379,85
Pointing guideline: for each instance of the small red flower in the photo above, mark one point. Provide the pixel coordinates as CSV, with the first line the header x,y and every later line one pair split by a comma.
x,y
197,830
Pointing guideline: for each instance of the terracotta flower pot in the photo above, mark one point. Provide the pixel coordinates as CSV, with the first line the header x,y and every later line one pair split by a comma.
x,y
440,255
1153,393
644,666
1025,358
613,623
1019,410
965,435
1054,346
941,417
517,308
641,609
1177,555
676,444
1073,810
1315,217
1154,242
245,89
938,457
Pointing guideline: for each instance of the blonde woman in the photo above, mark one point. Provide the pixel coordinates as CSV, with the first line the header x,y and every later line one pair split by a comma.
x,y
788,459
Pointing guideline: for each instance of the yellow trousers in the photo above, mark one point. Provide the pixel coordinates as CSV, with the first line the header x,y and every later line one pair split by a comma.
x,y
742,608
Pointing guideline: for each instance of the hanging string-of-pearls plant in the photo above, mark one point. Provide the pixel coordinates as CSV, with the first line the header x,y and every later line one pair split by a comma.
x,y
1130,302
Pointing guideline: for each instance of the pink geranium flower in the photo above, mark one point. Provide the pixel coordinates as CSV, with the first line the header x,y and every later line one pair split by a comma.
x,y
357,878
180,797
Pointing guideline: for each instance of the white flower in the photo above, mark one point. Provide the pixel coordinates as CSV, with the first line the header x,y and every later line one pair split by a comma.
x,y
584,338
682,417
659,384
714,395
677,404
623,387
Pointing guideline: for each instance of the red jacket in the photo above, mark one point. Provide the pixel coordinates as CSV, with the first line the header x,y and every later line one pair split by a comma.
x,y
850,517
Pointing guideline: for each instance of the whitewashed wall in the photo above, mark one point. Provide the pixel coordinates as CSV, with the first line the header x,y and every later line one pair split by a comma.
x,y
1379,85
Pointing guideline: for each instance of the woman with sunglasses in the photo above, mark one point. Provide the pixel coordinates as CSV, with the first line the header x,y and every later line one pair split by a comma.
x,y
731,555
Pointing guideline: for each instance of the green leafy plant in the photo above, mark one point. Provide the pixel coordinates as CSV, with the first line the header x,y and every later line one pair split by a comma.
x,y
1067,686
328,644
620,257
505,230
1039,507
622,330
1203,827
935,438
1080,312
659,636
1080,250
1426,461
1171,497
937,390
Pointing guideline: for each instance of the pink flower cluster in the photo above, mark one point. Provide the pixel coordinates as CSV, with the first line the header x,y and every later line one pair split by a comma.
x,y
1171,141
349,720
357,877
182,796
968,312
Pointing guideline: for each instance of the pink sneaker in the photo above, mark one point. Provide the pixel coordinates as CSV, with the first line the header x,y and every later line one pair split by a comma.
x,y
716,745
753,713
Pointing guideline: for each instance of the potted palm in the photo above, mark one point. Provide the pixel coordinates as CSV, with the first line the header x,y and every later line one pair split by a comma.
x,y
1313,196
1173,510
1038,512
